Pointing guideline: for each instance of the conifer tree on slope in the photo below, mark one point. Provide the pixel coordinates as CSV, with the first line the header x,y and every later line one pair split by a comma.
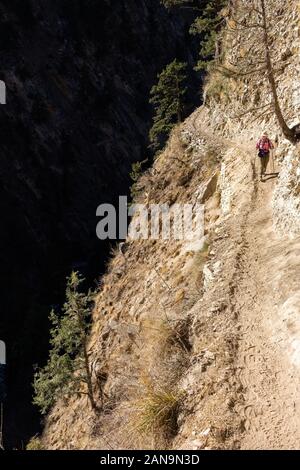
x,y
206,26
167,98
67,371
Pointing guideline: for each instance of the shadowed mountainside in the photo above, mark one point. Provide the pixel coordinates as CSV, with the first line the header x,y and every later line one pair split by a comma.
x,y
78,75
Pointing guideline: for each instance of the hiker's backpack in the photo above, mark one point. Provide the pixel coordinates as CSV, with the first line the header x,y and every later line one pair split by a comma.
x,y
264,146
262,153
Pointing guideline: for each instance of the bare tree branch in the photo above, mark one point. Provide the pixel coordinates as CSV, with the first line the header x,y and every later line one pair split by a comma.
x,y
265,113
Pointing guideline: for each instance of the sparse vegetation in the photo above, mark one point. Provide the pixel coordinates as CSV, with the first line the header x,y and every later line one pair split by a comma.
x,y
218,87
135,174
178,334
156,412
34,444
67,371
168,333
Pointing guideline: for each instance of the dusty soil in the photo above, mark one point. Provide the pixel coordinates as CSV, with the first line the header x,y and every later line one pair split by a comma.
x,y
267,355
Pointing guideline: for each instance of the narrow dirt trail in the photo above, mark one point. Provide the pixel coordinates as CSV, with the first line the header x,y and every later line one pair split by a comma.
x,y
271,383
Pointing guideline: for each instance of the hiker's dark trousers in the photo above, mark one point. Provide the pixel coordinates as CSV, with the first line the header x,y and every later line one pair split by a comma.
x,y
264,163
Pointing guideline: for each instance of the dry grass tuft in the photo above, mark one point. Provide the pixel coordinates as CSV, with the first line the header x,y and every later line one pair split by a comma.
x,y
34,444
166,334
177,334
156,412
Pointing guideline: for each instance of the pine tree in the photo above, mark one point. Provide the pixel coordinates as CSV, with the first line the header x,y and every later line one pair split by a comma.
x,y
168,100
67,371
207,26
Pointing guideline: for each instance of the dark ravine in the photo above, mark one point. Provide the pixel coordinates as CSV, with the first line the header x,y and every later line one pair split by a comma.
x,y
78,75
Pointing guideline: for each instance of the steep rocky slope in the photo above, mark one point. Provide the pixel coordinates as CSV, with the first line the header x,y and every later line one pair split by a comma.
x,y
208,330
78,75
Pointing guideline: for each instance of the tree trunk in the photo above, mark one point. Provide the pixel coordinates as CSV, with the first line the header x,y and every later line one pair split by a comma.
x,y
179,112
88,376
86,362
288,133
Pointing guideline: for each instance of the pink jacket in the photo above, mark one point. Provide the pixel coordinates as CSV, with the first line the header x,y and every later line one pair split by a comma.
x,y
264,144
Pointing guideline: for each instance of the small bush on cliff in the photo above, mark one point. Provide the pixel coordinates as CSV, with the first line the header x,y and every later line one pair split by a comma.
x,y
157,411
135,174
67,371
34,444
167,98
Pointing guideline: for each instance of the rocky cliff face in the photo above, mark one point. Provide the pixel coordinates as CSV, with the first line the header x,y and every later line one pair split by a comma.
x,y
78,75
208,332
230,98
